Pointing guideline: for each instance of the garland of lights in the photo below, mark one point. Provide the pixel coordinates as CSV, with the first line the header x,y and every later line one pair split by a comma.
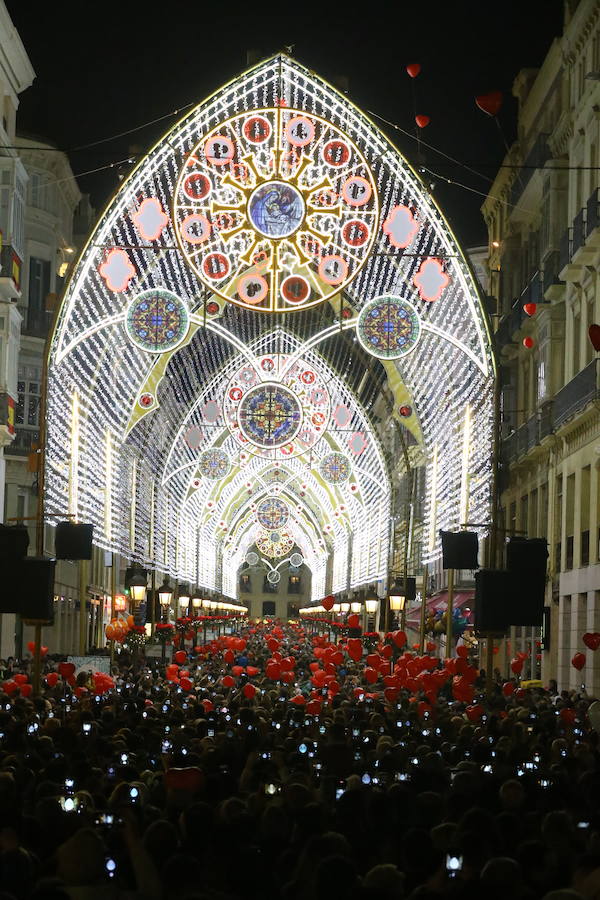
x,y
284,198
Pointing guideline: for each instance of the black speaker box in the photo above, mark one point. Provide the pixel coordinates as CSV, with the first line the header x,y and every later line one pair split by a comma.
x,y
459,549
14,542
493,589
73,541
527,560
28,588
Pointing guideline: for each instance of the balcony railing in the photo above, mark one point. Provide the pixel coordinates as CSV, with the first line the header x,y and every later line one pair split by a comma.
x,y
573,398
565,249
576,395
23,442
551,269
537,156
579,231
592,219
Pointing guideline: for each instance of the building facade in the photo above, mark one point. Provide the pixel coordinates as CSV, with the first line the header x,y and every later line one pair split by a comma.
x,y
543,220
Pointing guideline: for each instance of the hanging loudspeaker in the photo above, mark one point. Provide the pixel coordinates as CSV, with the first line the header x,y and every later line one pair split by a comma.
x,y
14,541
73,541
459,549
28,588
527,560
493,588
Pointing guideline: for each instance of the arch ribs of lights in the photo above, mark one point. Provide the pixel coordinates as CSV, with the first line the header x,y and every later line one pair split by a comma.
x,y
134,397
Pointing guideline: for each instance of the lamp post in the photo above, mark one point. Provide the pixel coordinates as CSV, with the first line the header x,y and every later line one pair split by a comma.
x,y
165,594
196,604
398,601
371,604
345,608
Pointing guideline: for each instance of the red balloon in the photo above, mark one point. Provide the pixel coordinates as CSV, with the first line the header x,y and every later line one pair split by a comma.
x,y
20,678
594,333
287,677
273,672
474,713
237,670
208,705
249,691
528,342
51,679
328,603
516,665
530,308
568,715
313,708
370,675
252,670
229,656
462,651
578,661
413,69
9,687
180,657
228,681
82,691
26,690
298,700
66,669
490,103
422,121
591,639
353,621
31,646
399,638
430,646
355,649
186,684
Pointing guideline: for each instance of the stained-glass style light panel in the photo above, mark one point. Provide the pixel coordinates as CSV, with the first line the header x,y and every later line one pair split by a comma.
x,y
335,468
274,544
214,464
388,327
157,320
272,513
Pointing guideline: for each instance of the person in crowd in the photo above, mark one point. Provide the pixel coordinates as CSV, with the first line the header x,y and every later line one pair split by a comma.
x,y
276,762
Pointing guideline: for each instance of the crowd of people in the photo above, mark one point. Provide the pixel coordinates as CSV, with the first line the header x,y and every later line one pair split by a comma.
x,y
274,763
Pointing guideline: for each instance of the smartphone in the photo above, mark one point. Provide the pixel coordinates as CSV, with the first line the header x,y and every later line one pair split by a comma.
x,y
69,804
487,769
366,778
338,792
124,759
31,729
105,819
322,729
69,784
583,824
210,732
111,867
266,755
453,865
86,727
134,794
401,776
271,789
166,746
355,732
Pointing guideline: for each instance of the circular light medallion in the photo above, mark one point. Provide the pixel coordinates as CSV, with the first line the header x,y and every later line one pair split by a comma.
x,y
252,558
262,196
335,468
214,464
272,513
274,544
296,560
276,209
157,320
388,327
269,415
273,577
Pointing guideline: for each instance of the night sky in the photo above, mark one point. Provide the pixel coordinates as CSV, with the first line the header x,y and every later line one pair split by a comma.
x,y
104,68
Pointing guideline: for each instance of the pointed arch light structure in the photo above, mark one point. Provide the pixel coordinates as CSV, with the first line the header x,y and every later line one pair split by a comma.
x,y
228,330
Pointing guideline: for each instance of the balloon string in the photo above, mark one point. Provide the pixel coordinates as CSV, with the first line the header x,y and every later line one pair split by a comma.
x,y
417,129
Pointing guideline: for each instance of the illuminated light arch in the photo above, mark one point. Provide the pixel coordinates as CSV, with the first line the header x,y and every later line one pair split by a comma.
x,y
126,466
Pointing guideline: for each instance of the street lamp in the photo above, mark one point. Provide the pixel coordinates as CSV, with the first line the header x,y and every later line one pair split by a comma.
x,y
344,608
397,599
183,598
165,595
371,604
138,586
356,606
196,601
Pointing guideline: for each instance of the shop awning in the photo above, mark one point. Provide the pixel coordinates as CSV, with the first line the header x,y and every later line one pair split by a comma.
x,y
462,600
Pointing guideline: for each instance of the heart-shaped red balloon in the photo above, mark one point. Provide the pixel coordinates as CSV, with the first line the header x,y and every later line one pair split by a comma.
x,y
578,661
298,700
591,639
353,621
228,681
51,679
66,669
190,779
594,333
399,638
413,69
20,678
422,121
530,308
328,603
474,713
516,666
26,690
568,715
31,646
249,691
490,103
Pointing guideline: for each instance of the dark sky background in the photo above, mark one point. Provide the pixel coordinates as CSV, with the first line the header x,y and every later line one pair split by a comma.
x,y
103,68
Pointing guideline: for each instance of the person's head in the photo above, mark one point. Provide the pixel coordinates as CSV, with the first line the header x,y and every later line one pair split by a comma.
x,y
512,795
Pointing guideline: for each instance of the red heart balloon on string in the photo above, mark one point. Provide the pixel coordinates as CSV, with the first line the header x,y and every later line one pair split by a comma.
x,y
422,121
578,661
591,639
328,603
594,333
413,69
490,103
530,308
66,669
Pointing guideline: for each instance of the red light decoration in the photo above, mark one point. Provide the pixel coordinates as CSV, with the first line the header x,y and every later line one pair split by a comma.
x,y
431,280
405,411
